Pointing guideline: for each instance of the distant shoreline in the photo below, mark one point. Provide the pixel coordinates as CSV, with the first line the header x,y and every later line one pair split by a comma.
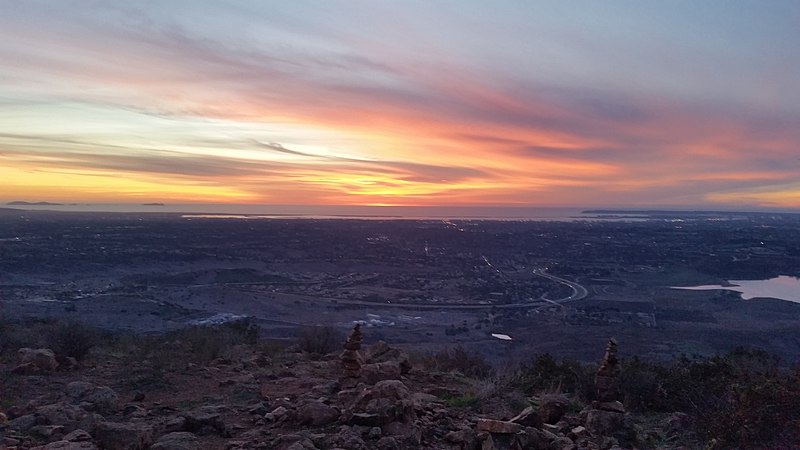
x,y
317,212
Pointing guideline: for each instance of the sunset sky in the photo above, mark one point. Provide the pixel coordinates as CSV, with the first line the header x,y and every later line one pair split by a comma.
x,y
541,103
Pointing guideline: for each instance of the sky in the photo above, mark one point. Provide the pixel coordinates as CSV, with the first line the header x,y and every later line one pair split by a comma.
x,y
529,103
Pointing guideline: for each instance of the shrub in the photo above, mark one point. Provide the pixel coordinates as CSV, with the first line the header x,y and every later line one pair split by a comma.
x,y
73,339
320,340
546,373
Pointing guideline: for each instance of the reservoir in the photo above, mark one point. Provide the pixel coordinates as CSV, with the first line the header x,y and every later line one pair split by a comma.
x,y
782,287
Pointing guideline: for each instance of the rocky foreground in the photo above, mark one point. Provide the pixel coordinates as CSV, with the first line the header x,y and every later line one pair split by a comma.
x,y
369,397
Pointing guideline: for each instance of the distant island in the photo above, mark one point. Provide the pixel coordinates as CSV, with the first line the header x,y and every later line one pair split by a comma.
x,y
152,204
22,203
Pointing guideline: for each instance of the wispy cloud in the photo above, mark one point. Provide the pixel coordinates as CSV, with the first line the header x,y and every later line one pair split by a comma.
x,y
301,99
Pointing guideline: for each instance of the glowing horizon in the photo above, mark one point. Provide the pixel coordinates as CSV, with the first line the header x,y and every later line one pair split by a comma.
x,y
629,104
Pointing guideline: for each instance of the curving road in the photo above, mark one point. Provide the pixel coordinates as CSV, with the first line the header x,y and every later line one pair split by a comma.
x,y
578,291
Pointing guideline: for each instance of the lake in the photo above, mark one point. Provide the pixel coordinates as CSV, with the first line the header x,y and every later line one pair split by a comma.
x,y
782,287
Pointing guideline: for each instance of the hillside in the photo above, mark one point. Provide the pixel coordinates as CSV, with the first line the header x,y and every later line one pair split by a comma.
x,y
224,387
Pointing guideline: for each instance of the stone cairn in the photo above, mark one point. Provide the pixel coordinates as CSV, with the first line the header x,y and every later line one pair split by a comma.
x,y
351,360
606,381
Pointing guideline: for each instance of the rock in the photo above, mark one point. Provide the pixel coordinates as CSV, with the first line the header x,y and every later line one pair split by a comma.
x,y
124,436
258,409
276,414
47,431
614,406
392,389
464,437
409,433
579,432
316,413
552,407
36,360
93,398
366,419
304,444
348,439
132,410
388,401
387,443
62,413
177,441
77,389
206,419
498,426
528,418
175,424
373,373
375,432
78,436
3,418
22,423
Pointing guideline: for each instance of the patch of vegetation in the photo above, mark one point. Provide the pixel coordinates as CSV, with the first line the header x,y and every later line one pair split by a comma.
x,y
320,340
742,399
460,360
547,374
72,339
461,401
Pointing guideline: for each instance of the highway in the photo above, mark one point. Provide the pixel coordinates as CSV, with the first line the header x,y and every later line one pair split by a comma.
x,y
578,291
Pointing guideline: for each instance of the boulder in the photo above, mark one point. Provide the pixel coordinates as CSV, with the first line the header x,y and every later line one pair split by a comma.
x,y
528,417
62,413
206,419
22,423
35,360
93,398
552,407
316,413
498,426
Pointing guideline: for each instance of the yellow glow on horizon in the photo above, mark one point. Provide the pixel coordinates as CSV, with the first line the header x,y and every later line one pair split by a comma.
x,y
778,198
84,185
